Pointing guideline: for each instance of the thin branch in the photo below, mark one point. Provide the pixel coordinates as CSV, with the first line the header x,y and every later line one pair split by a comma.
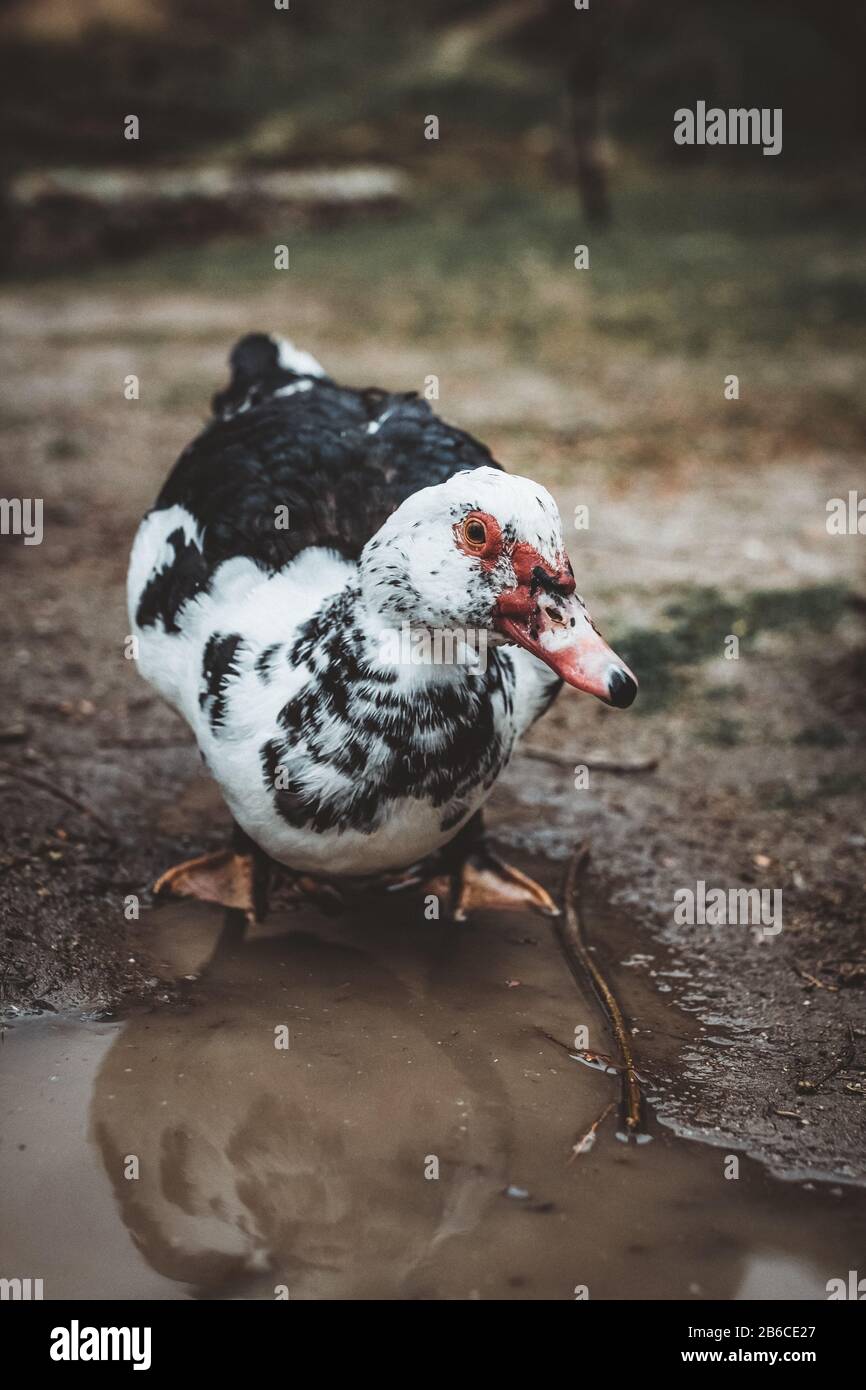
x,y
598,1060
41,785
813,979
586,1141
843,1061
548,755
569,929
542,1033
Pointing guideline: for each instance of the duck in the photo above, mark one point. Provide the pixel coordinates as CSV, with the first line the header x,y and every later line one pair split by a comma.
x,y
359,613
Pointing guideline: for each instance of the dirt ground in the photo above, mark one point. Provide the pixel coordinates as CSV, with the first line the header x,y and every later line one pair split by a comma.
x,y
706,520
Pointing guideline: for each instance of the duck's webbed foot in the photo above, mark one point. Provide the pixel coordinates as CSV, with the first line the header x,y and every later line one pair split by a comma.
x,y
236,878
474,878
224,877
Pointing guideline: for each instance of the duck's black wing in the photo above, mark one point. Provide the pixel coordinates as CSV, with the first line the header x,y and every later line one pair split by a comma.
x,y
293,460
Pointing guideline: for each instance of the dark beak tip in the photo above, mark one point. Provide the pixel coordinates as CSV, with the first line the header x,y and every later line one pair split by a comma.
x,y
621,689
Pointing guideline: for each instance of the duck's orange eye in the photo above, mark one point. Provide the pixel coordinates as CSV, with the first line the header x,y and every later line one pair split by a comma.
x,y
479,535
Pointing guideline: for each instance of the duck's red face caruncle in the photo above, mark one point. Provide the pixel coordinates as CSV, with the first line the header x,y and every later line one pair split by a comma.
x,y
537,607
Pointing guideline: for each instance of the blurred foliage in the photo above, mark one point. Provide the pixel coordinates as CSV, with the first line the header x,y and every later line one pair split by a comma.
x,y
356,80
692,264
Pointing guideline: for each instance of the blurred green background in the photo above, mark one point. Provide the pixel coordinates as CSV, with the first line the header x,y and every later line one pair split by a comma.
x,y
553,122
350,79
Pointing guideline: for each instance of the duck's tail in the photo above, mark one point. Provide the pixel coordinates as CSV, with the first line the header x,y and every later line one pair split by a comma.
x,y
262,364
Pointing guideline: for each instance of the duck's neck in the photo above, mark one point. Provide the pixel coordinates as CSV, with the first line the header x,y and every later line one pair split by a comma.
x,y
381,717
413,655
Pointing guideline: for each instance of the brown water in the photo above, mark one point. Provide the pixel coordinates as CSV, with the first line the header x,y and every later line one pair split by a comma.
x,y
303,1168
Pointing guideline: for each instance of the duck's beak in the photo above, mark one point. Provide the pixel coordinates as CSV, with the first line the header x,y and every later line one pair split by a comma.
x,y
557,629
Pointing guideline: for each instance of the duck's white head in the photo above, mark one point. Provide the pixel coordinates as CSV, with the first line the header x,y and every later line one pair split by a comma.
x,y
484,551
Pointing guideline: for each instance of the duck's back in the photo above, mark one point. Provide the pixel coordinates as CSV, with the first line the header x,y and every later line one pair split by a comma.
x,y
266,512
241,585
293,460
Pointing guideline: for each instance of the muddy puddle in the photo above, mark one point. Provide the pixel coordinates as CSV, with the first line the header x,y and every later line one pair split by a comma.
x,y
413,1139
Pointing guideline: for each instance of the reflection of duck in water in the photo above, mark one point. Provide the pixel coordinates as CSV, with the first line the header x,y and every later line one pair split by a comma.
x,y
307,1168
260,1166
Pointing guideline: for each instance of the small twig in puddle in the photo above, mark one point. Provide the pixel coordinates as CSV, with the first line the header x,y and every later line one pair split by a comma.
x,y
569,929
586,1141
598,1060
550,1038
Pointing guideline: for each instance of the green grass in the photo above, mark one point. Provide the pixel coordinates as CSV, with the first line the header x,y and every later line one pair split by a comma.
x,y
695,627
688,266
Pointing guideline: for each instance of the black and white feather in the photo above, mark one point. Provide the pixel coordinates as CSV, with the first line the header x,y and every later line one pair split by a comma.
x,y
307,521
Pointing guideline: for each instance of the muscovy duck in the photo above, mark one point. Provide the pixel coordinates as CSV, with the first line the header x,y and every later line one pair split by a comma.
x,y
278,588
